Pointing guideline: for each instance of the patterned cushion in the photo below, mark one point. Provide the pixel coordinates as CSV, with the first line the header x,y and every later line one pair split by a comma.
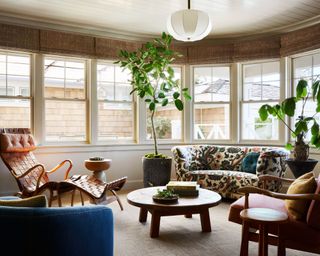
x,y
249,162
35,201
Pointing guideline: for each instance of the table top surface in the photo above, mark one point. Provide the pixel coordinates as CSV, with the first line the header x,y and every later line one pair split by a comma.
x,y
264,215
143,198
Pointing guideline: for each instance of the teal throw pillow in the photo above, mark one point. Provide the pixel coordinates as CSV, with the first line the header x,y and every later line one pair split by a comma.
x,y
249,162
35,201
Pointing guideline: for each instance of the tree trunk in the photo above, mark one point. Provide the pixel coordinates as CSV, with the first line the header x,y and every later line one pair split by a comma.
x,y
154,134
301,149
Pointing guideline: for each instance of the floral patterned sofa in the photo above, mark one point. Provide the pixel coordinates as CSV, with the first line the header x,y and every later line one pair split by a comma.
x,y
219,168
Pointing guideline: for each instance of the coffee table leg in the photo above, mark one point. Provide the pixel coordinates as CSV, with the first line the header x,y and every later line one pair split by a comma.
x,y
143,215
188,215
205,221
155,224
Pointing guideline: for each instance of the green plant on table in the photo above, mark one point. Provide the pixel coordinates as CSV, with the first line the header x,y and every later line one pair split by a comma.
x,y
152,78
165,193
303,123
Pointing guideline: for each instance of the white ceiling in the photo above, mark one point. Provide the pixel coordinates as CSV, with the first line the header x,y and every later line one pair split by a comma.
x,y
147,18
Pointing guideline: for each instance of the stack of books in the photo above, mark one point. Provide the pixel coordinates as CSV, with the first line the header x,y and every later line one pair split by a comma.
x,y
184,188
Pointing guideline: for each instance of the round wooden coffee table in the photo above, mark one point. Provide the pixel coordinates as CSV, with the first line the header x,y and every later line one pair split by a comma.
x,y
185,206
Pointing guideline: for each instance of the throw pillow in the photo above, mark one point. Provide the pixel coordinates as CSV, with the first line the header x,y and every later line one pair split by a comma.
x,y
314,210
305,184
249,162
35,201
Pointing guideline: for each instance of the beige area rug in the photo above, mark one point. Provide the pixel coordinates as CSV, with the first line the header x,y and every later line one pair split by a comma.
x,y
180,236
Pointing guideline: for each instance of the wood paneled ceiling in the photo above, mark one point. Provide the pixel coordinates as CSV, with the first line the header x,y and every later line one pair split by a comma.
x,y
147,18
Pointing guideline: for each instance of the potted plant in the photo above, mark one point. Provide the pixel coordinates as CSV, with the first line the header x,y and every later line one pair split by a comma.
x,y
152,78
303,124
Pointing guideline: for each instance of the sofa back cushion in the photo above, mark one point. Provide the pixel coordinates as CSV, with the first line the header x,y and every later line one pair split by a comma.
x,y
209,157
313,216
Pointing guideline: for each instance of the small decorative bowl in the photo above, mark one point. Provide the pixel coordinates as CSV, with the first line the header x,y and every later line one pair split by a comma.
x,y
165,200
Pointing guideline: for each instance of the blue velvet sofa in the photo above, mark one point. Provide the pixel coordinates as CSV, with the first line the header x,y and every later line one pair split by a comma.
x,y
66,231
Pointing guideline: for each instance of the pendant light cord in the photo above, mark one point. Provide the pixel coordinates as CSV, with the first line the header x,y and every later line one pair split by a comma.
x,y
189,4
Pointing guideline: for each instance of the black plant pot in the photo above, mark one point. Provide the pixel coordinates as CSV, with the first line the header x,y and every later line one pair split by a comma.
x,y
156,171
299,168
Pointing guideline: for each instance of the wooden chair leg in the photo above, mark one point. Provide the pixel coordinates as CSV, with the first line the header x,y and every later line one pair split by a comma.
x,y
118,199
81,196
72,196
245,239
50,197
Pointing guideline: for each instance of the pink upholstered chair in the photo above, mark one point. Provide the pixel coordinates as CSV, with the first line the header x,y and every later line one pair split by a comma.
x,y
16,146
301,235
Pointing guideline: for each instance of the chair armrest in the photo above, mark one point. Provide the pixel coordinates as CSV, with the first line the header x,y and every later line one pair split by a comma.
x,y
60,165
249,189
265,178
28,171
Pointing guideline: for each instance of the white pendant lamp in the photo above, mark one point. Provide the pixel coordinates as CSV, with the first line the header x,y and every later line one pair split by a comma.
x,y
189,25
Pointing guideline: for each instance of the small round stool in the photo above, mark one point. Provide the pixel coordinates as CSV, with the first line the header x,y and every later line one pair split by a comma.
x,y
98,167
263,217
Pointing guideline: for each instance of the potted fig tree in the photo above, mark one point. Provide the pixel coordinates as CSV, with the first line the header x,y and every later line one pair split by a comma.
x,y
305,123
152,78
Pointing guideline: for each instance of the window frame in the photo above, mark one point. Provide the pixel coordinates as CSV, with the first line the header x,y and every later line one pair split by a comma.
x,y
281,138
86,100
20,97
193,103
292,85
97,100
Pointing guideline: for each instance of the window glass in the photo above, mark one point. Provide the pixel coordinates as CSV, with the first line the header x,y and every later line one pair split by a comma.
x,y
115,107
65,99
261,83
211,103
14,75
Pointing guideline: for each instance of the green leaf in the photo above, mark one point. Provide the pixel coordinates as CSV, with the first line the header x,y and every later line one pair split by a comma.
x,y
165,102
170,71
289,106
178,103
147,100
315,89
185,89
161,95
152,106
176,95
263,113
289,146
315,128
302,88
186,96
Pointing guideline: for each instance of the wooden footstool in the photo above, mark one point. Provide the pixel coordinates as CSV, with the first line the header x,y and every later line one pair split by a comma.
x,y
263,217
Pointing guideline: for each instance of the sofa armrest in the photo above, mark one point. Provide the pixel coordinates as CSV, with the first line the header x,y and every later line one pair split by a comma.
x,y
182,158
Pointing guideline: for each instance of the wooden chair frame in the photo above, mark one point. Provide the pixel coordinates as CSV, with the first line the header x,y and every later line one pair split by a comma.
x,y
271,239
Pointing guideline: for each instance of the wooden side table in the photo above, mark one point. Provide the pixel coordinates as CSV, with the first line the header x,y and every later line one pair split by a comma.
x,y
263,217
98,167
